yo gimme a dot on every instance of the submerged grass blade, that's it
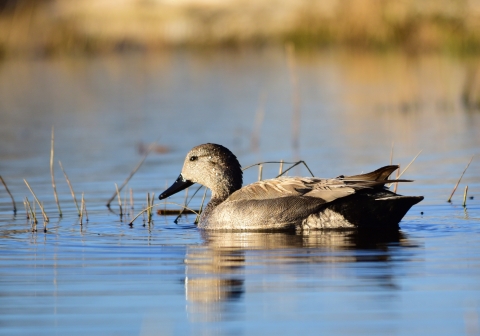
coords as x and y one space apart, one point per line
458 182
10 194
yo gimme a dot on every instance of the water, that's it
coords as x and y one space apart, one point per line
106 277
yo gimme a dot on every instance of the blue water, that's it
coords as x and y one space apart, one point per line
107 277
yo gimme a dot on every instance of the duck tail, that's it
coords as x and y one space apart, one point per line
381 174
376 178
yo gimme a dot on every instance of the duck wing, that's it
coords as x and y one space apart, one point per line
325 189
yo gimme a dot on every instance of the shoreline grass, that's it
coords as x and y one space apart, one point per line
60 27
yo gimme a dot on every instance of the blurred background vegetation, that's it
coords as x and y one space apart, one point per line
57 27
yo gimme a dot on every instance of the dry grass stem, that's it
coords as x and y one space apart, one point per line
260 172
292 66
154 205
119 200
186 204
399 175
458 182
32 212
71 188
152 198
465 196
197 218
295 163
396 178
52 152
186 197
125 204
32 215
81 211
26 209
280 170
85 210
131 199
10 194
133 172
149 210
403 171
44 222
45 217
166 212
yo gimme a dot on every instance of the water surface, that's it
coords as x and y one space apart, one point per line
106 277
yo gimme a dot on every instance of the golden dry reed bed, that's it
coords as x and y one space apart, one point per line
51 27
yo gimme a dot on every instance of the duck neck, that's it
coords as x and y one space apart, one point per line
218 197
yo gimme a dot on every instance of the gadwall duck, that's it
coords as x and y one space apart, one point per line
359 201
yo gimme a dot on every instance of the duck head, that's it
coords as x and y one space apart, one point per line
211 165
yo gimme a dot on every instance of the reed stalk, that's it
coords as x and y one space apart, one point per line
81 211
458 182
149 210
44 223
52 151
71 188
396 178
186 197
465 196
32 215
45 217
84 209
280 170
150 148
119 200
154 205
197 218
260 172
399 175
32 211
10 194
152 198
294 164
131 199
26 209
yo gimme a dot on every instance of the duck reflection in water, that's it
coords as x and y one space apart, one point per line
216 270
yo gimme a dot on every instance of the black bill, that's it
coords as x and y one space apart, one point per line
179 185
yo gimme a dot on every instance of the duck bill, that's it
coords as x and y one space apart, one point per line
179 185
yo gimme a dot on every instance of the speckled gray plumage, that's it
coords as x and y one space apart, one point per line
290 202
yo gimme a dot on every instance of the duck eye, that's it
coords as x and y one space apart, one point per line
193 158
